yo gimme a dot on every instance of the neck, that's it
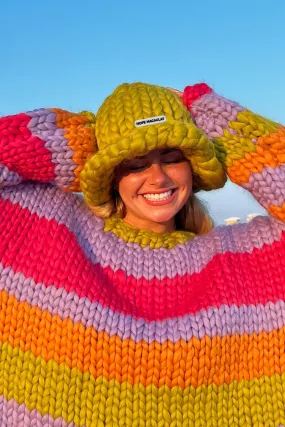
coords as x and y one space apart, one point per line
145 224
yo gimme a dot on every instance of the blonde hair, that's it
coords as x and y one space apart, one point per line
192 217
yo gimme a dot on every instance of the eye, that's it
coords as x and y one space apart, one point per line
137 166
173 157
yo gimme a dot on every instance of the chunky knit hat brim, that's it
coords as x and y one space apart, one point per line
99 171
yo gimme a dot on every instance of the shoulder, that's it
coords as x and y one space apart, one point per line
45 200
260 234
245 237
231 249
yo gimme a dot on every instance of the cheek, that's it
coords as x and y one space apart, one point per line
128 186
182 175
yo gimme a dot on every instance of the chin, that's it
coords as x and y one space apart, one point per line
160 217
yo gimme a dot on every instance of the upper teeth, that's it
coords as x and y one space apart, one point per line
160 196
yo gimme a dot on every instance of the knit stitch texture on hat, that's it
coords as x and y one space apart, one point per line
119 139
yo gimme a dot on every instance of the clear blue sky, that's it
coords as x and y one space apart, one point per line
72 54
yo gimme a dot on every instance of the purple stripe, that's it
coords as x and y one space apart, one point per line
14 415
268 186
9 178
213 112
43 125
220 321
51 203
47 201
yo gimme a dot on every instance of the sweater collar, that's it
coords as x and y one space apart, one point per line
145 238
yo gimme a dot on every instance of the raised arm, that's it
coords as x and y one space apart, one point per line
251 147
45 145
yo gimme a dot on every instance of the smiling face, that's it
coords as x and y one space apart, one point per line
154 188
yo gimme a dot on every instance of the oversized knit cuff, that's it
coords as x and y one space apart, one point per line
251 147
46 145
193 93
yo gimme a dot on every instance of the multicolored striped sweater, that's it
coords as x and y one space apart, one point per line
105 325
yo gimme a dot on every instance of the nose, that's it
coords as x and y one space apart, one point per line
157 175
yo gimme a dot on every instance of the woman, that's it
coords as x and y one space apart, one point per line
126 308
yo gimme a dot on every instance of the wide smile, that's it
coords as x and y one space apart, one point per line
159 199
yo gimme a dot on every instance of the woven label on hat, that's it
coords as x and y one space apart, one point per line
150 121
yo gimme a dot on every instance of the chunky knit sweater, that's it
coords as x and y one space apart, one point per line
105 325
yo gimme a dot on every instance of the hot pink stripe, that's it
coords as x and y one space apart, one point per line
48 202
212 322
49 253
22 152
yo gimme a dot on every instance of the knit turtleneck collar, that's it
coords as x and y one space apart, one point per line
145 237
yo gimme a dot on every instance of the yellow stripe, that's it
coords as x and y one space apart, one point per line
217 360
57 390
245 157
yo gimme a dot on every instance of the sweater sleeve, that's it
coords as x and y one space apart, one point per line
46 145
251 147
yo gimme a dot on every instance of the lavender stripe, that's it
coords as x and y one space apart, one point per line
51 203
213 112
14 415
9 178
268 186
220 321
43 125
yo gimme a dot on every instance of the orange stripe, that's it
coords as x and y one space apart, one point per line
277 211
270 152
81 138
197 362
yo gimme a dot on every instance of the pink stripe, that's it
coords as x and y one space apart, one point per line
14 415
49 253
23 153
213 322
50 203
